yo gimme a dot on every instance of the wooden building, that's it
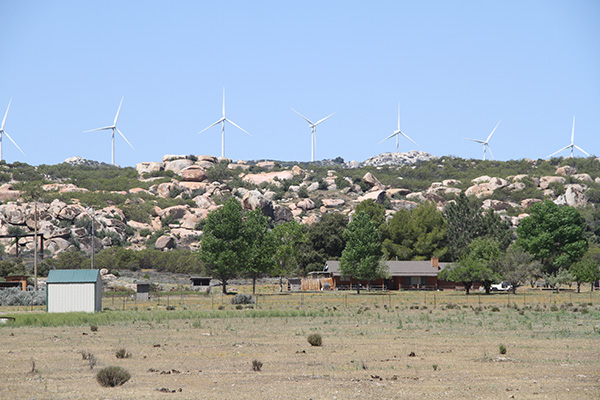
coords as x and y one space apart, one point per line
20 279
15 281
74 290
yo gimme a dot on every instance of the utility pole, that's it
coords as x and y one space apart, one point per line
93 213
35 247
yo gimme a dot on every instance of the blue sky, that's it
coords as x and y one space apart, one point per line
455 67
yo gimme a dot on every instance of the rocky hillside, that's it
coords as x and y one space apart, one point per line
162 204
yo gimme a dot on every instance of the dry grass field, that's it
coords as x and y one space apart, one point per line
375 346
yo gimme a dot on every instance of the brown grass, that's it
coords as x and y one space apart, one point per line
364 354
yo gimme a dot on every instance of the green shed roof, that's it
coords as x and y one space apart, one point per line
73 276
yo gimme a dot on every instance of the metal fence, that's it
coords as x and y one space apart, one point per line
115 301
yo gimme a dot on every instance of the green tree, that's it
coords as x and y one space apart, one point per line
585 270
588 268
362 256
176 260
324 241
398 244
553 235
479 265
466 221
485 253
117 257
72 259
591 215
560 277
375 211
288 238
260 246
223 248
416 235
461 272
517 267
11 267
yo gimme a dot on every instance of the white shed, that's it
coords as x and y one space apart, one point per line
74 290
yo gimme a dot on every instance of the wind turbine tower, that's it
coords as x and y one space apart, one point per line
485 143
572 145
313 133
222 121
3 132
113 128
397 133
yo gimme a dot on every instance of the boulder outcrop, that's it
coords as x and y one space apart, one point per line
255 200
193 173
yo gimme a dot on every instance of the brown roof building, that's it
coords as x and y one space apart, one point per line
401 275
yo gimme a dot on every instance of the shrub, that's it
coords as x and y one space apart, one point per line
15 230
112 376
122 353
341 182
241 298
495 309
94 328
169 220
502 349
17 297
256 365
90 357
315 339
219 172
303 192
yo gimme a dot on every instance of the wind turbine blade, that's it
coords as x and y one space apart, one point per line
15 143
321 120
210 126
572 132
475 140
99 129
306 119
6 115
558 151
494 130
389 137
237 126
118 111
398 116
582 150
406 136
123 136
490 150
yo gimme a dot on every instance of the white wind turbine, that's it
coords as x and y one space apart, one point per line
397 133
222 121
3 132
572 145
313 133
113 128
485 143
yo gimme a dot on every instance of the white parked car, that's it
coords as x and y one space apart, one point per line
501 287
